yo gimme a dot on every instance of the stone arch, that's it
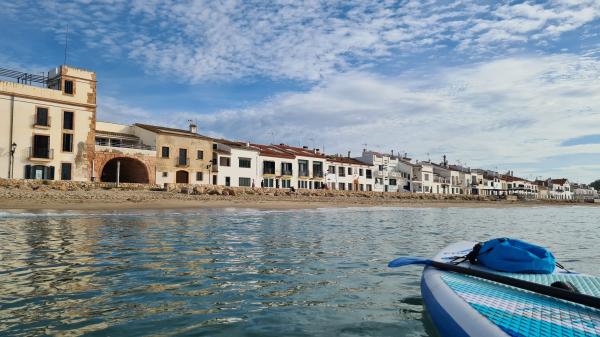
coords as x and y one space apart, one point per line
131 171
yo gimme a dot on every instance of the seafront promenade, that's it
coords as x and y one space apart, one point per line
61 195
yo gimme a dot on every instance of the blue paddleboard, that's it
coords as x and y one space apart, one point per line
461 305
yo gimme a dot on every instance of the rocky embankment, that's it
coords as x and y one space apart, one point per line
36 192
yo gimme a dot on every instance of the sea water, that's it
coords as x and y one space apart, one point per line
240 272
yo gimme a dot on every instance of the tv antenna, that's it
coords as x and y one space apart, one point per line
66 43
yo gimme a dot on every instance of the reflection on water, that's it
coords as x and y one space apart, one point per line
248 273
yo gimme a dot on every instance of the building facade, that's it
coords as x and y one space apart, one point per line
47 130
182 156
349 174
236 163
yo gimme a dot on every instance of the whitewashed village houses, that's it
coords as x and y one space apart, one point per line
391 173
345 173
236 163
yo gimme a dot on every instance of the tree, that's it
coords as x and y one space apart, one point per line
596 185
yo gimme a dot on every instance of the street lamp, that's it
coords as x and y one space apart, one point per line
13 148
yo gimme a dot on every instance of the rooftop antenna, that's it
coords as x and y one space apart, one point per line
66 43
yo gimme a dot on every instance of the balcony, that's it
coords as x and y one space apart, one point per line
40 153
124 145
182 162
318 174
286 172
440 180
40 124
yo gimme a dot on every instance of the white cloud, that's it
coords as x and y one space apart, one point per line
302 40
512 111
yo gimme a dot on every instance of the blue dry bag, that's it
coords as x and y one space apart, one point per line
513 256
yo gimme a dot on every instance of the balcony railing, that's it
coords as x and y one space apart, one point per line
318 174
183 161
286 172
268 171
40 153
125 145
37 123
303 174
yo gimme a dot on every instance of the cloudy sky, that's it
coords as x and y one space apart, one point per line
506 85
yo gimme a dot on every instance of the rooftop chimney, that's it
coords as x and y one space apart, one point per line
348 154
193 128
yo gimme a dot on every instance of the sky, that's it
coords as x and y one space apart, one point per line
501 85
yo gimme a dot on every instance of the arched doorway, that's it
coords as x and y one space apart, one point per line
131 171
182 177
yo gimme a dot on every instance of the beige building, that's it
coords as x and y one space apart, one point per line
182 156
47 124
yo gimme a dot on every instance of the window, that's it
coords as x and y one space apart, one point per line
331 169
302 184
41 147
39 172
245 163
361 173
303 168
200 155
349 171
393 182
286 183
199 176
369 187
182 160
318 169
68 120
41 117
65 171
361 187
286 169
268 182
426 176
369 174
268 167
67 143
342 186
165 174
227 181
165 152
69 87
342 171
245 182
224 161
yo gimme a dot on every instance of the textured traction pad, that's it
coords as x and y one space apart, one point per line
522 313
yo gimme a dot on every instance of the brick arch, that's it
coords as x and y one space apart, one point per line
130 165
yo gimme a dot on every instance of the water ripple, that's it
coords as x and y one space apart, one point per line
247 272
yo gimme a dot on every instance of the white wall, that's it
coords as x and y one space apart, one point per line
234 172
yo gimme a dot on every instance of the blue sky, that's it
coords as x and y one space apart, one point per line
509 85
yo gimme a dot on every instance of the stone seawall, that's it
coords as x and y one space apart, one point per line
70 192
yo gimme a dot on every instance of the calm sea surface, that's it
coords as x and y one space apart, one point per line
246 272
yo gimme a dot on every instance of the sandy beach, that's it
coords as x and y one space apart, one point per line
76 197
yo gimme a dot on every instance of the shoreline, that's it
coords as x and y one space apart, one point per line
165 204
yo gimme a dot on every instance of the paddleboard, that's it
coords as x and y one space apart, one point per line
462 305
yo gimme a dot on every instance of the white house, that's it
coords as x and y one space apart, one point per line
422 180
583 192
237 163
276 167
391 173
345 173
309 169
560 189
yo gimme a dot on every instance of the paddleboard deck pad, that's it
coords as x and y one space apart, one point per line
462 305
